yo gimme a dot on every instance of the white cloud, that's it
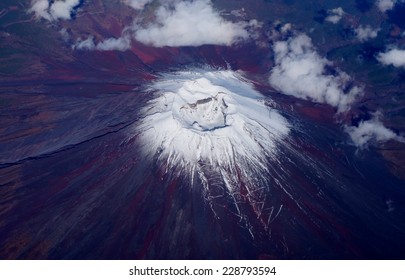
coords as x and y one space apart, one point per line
63 9
87 44
385 5
286 28
40 8
187 23
65 34
393 57
137 4
53 10
335 15
119 44
371 130
301 72
364 33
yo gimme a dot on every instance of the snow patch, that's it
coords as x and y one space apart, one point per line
212 118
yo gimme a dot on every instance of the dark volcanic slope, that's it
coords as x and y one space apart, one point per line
75 185
97 198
